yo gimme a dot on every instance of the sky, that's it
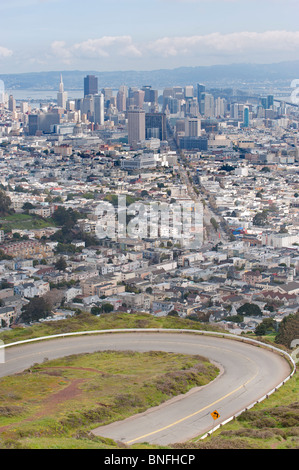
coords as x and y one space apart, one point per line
112 35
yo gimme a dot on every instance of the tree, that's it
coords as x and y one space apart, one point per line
252 310
95 310
61 264
173 313
214 223
107 308
288 330
260 219
27 206
5 203
235 318
65 217
267 326
36 309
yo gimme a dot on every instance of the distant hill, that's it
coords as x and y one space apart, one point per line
213 76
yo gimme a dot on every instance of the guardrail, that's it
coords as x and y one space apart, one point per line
173 330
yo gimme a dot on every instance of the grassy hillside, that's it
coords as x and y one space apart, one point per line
88 322
57 403
24 222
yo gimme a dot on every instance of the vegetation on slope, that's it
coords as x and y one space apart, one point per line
57 403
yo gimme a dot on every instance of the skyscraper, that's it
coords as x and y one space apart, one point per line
32 124
189 91
138 98
121 100
12 104
90 85
192 127
61 95
136 126
209 105
99 108
155 125
150 96
246 116
220 105
270 101
201 91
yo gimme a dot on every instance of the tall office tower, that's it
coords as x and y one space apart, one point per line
270 101
90 85
178 92
99 109
2 92
246 116
71 105
236 111
155 126
189 91
108 93
32 124
138 98
12 104
171 105
24 107
192 127
264 103
192 107
121 101
220 105
209 105
150 95
88 106
61 95
168 92
136 126
201 89
124 89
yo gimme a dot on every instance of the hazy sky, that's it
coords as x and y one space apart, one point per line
104 35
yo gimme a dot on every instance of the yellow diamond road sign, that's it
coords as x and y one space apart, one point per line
215 415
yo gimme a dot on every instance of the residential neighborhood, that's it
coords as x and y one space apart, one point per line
71 191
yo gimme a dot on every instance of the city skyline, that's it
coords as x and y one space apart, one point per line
42 35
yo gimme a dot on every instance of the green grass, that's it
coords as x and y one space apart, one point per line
24 222
57 403
88 322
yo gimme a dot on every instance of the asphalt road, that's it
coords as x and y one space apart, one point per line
247 374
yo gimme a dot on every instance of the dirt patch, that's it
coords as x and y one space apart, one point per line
53 401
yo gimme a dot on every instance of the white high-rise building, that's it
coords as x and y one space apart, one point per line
99 109
61 95
220 107
209 105
189 91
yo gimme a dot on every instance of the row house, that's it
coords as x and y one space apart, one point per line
27 249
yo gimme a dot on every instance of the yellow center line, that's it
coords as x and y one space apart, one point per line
193 414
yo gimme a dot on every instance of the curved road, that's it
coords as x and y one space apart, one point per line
247 374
